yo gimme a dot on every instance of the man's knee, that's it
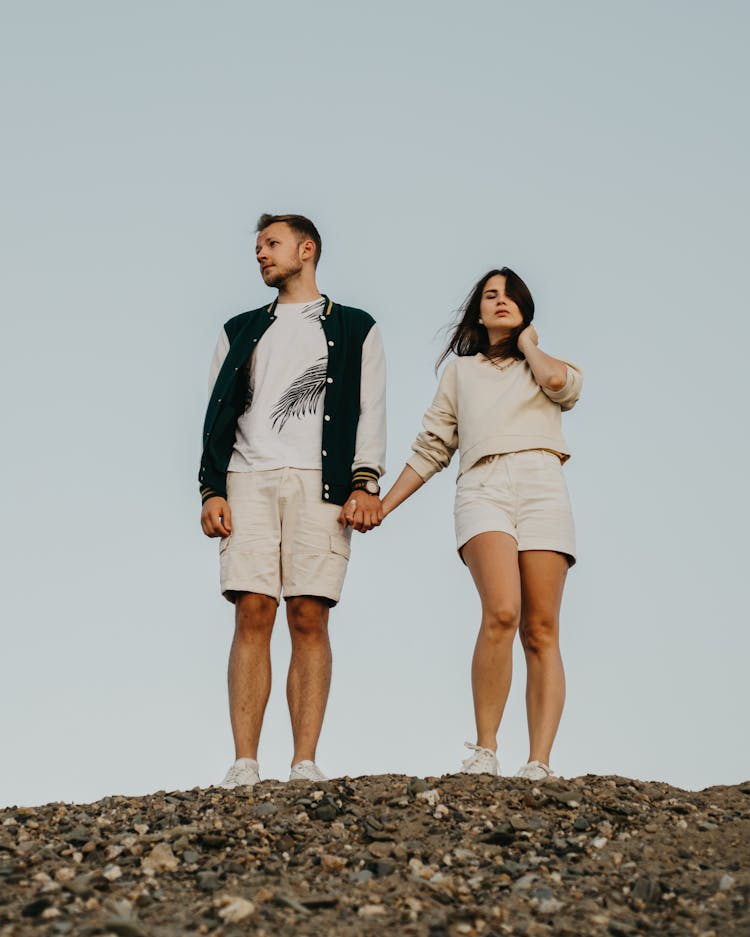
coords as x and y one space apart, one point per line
254 614
307 616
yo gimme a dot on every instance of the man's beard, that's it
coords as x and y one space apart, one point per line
279 276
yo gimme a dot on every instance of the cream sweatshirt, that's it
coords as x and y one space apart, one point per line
482 410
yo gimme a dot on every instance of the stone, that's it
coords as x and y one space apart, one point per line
431 796
371 910
208 881
236 910
160 859
125 927
381 850
36 907
325 812
332 863
266 809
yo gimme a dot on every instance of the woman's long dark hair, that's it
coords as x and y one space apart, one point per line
470 337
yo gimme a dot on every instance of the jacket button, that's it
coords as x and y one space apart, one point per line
327 418
329 380
326 496
327 487
331 344
324 452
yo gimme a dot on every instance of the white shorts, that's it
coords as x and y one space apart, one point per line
519 493
284 538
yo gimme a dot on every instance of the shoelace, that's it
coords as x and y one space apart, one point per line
308 770
235 773
539 764
479 752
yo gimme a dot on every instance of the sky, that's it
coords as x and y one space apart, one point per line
599 149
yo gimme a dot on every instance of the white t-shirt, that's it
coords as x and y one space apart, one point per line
283 423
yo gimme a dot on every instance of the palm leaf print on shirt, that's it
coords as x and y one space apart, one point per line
313 312
302 396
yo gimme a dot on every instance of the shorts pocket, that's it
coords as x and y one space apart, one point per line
340 546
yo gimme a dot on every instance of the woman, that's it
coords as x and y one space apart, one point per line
499 402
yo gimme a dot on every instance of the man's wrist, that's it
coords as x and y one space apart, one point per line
366 480
366 487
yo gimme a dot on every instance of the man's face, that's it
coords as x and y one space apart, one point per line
278 250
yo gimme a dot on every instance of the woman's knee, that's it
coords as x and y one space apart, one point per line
539 634
500 622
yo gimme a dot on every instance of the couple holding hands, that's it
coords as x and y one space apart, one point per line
293 450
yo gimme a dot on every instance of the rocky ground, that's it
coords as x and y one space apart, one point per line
439 857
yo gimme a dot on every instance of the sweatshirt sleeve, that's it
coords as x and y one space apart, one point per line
435 445
369 450
568 396
220 353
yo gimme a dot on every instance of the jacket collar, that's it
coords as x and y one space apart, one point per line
328 307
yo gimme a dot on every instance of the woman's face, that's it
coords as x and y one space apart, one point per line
497 312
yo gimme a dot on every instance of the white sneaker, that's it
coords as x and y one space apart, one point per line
483 761
306 771
535 771
243 773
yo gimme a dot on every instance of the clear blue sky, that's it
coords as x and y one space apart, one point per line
601 150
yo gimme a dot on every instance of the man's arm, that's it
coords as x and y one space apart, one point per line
363 510
216 517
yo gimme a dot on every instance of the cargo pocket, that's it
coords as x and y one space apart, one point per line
340 544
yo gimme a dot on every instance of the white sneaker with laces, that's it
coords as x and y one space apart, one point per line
535 771
306 771
483 761
243 773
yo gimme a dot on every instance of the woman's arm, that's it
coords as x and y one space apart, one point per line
549 373
404 487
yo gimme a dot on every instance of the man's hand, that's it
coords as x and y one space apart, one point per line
529 336
216 518
362 511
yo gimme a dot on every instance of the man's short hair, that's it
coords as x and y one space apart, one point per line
303 227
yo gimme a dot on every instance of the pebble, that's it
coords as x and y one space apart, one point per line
371 910
160 859
236 910
431 796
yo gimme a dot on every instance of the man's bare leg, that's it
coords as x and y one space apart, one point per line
249 675
309 678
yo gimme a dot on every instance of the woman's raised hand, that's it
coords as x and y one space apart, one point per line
528 336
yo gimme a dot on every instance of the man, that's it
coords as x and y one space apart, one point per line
293 447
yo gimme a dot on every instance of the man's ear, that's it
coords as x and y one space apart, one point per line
307 249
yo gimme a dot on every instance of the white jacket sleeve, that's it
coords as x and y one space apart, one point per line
370 443
220 353
568 396
435 445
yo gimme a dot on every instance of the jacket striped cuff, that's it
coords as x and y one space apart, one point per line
364 474
207 493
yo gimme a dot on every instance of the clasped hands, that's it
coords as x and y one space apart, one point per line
362 511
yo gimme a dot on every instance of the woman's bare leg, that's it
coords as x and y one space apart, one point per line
543 575
492 559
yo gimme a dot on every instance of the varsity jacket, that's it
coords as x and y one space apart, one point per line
353 439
